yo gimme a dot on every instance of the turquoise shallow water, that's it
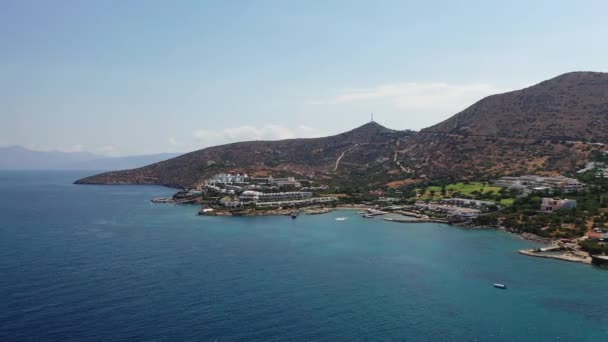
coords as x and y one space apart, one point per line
102 263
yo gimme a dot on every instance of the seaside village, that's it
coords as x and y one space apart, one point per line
513 203
239 193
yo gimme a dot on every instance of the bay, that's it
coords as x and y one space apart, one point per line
102 263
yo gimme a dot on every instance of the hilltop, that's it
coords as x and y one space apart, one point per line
573 106
545 128
358 155
540 129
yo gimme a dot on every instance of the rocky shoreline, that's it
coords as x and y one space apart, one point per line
534 237
318 211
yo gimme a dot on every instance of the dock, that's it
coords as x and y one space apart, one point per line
162 200
415 220
600 260
566 256
172 200
412 214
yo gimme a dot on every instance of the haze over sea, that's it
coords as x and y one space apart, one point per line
103 263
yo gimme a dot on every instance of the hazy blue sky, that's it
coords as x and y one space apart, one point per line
130 77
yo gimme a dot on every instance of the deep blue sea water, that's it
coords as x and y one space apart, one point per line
102 263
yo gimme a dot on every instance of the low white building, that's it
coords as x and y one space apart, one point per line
297 203
256 196
228 178
551 204
283 182
531 182
229 202
250 196
467 202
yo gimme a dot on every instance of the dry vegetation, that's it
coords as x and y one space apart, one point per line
544 129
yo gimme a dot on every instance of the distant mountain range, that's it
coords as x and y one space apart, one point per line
546 128
20 158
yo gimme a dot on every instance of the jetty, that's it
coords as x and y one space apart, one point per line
600 260
412 214
550 253
373 212
414 220
162 200
173 200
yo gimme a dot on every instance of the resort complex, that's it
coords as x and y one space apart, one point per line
532 183
546 208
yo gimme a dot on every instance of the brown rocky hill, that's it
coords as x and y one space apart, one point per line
550 127
486 158
573 106
359 155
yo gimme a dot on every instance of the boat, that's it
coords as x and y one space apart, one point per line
500 286
340 218
294 215
368 216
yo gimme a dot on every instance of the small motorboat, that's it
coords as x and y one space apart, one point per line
500 286
340 218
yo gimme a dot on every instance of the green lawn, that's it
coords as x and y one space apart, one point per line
466 189
507 201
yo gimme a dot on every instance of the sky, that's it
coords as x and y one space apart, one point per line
140 77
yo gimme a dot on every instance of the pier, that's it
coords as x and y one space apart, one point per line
600 260
566 256
162 200
414 220
171 200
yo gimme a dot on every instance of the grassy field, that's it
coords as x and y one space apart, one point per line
507 201
470 189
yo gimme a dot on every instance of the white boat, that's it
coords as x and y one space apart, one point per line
500 286
340 218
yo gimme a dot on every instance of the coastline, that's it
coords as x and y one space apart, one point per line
351 207
414 220
407 218
567 256
277 212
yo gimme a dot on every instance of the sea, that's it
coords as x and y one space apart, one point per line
102 263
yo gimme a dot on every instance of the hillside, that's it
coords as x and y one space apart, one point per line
540 129
473 158
573 106
359 155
